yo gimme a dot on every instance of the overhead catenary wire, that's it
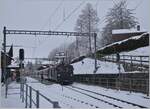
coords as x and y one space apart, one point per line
52 14
49 19
69 15
138 5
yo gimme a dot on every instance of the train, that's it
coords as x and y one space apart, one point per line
61 73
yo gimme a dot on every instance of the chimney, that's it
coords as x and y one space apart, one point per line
138 27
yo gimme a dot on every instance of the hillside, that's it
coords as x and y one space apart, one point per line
86 66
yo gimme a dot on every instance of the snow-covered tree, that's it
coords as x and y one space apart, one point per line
87 22
118 17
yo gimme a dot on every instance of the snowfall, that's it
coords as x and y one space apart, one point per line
70 99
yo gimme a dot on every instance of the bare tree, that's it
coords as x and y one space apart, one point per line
87 22
118 17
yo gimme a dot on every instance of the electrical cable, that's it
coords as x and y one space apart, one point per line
58 26
69 15
53 13
50 17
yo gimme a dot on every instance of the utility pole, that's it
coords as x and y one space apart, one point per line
95 35
121 18
77 46
4 63
90 49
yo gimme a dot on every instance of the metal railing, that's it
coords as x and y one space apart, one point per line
142 60
26 95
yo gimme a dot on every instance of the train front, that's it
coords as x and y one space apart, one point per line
65 76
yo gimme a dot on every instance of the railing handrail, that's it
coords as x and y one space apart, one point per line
36 102
139 59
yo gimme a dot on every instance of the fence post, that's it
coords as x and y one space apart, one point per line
37 99
56 105
22 92
147 86
107 83
20 89
99 81
131 64
26 100
30 95
141 62
117 83
130 84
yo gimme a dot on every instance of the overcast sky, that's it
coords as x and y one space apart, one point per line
37 15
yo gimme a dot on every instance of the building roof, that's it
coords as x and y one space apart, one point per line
13 66
7 55
127 31
125 45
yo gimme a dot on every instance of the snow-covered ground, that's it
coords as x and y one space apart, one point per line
86 66
143 51
13 99
137 98
70 99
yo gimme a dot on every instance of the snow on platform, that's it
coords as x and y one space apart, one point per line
13 99
86 66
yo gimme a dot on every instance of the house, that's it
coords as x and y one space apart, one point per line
9 58
121 34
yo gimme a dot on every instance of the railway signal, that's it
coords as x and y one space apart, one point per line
21 54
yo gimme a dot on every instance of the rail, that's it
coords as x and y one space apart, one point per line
26 95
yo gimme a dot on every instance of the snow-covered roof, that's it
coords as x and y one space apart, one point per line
124 31
79 58
13 66
7 55
119 42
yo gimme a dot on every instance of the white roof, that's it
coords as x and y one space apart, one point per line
121 31
119 42
13 66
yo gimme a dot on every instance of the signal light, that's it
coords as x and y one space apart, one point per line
21 54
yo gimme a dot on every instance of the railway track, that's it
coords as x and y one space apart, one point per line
79 101
114 105
104 98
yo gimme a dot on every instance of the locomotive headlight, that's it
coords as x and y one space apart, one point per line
58 74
